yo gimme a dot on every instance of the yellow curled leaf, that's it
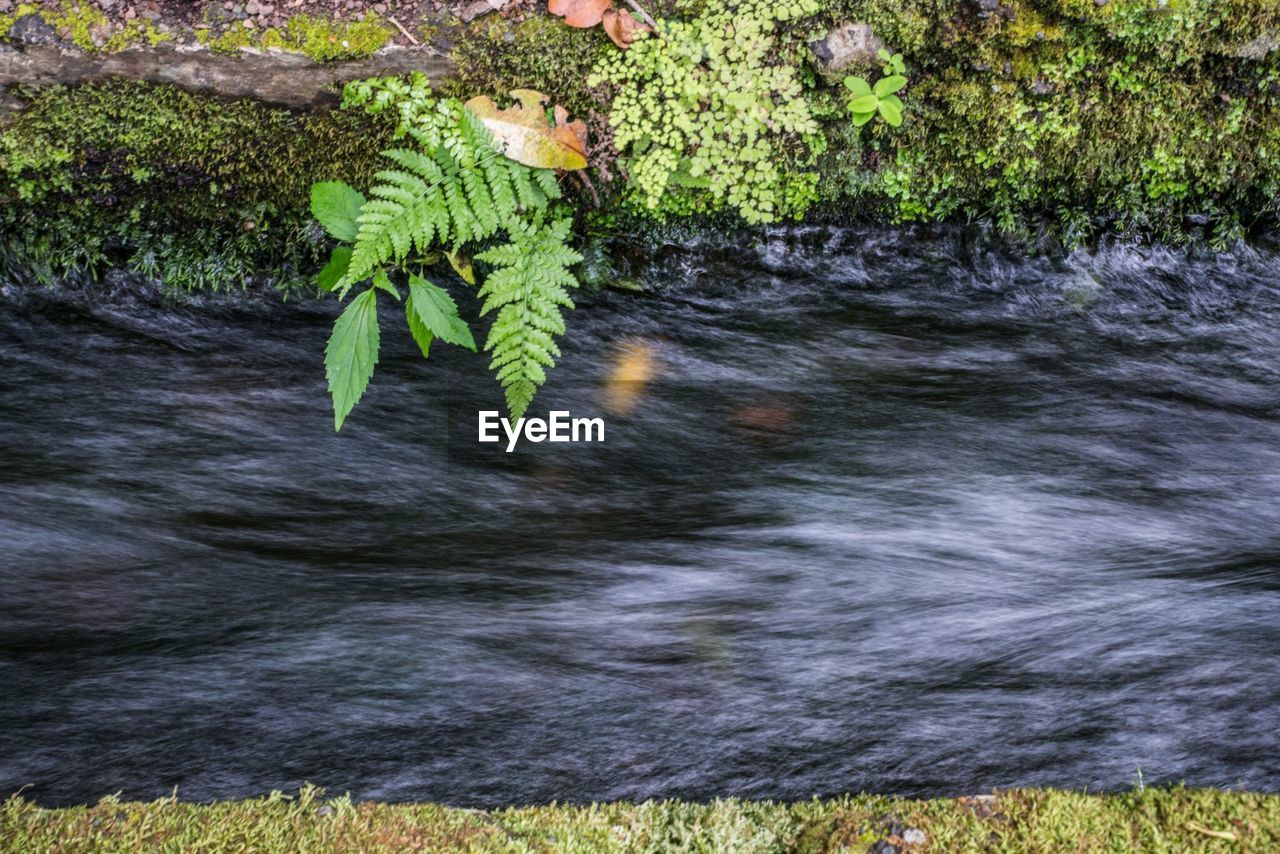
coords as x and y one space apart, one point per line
461 265
522 132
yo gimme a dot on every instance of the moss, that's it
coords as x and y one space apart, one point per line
155 179
80 25
1041 114
21 11
88 28
495 55
1159 820
322 39
232 39
1077 117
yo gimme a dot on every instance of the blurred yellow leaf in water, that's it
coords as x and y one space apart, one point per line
632 368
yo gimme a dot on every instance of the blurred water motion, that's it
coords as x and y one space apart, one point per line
876 512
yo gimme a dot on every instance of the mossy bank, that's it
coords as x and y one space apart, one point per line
1157 120
1173 820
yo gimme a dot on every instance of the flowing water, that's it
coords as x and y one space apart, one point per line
896 512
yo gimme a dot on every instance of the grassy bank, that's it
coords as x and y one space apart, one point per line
1018 820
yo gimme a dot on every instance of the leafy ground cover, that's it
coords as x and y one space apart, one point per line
1163 819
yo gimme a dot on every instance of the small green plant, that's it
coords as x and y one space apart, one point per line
710 114
456 191
866 101
893 63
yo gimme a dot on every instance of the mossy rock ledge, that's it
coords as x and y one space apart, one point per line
189 157
271 75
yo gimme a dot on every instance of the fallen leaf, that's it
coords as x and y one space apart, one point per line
631 371
523 133
461 265
579 13
572 134
622 28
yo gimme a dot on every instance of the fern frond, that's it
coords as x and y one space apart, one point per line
528 287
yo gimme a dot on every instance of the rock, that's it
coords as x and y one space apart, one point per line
480 7
9 104
100 33
914 836
289 79
6 6
106 4
1257 49
847 45
33 29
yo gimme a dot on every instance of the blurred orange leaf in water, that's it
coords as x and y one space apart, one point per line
632 368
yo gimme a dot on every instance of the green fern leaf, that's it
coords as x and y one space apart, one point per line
352 353
528 289
459 189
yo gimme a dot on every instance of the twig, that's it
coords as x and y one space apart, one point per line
591 188
401 28
645 16
1217 834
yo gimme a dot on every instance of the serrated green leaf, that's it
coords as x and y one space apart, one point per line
863 104
337 206
858 86
352 353
333 272
421 334
383 282
891 112
886 86
439 313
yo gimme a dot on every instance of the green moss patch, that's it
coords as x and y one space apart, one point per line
1042 116
1159 820
322 39
195 190
88 28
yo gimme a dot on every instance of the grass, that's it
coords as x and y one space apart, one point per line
1154 819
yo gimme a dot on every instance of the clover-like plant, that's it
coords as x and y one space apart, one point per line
712 115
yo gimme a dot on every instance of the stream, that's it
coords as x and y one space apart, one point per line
901 512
